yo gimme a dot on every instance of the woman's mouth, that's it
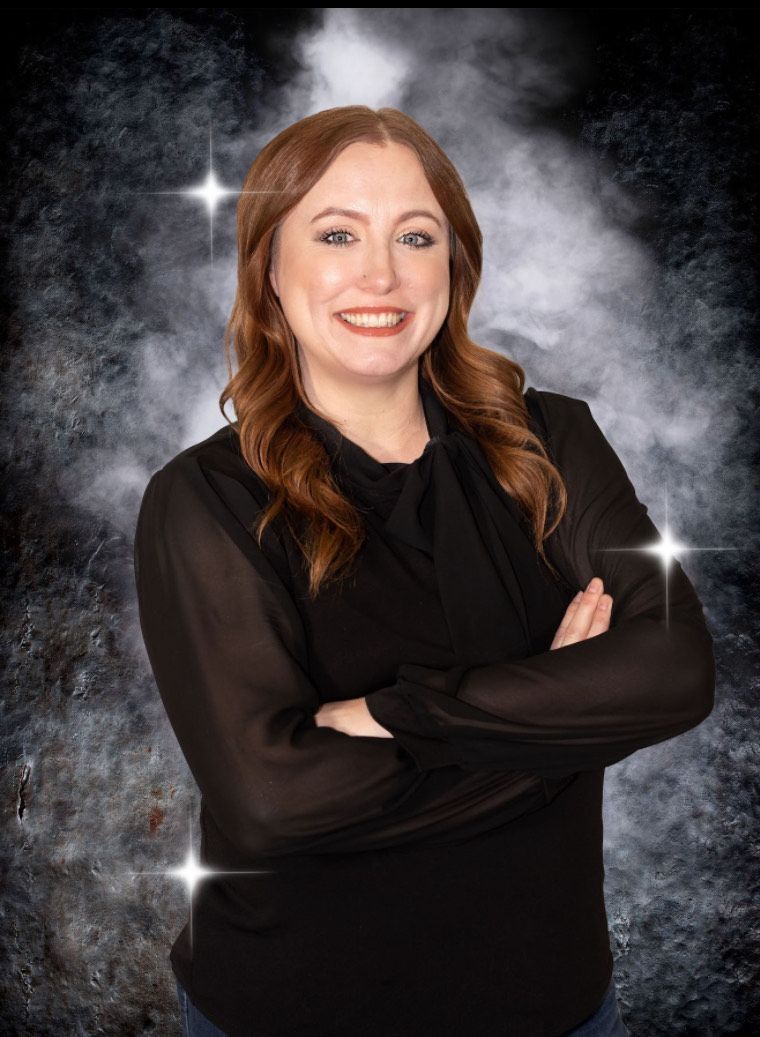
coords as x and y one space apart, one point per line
375 322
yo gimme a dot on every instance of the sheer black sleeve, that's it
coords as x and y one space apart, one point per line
651 676
227 648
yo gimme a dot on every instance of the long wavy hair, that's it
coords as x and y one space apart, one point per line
481 388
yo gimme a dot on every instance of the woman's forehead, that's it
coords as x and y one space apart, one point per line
373 182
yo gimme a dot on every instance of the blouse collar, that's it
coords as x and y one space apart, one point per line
449 505
380 479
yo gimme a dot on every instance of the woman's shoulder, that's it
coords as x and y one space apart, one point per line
575 441
218 459
555 407
221 448
211 483
558 419
204 504
578 445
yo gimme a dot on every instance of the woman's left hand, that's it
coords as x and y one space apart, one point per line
351 717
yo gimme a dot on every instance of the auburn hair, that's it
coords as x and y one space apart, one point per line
481 388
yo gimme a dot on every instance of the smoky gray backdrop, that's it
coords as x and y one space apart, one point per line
611 159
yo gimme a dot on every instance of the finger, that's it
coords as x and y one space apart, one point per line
564 625
601 618
580 621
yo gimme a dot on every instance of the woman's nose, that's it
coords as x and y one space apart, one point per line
378 267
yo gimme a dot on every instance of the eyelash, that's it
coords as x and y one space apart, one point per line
429 240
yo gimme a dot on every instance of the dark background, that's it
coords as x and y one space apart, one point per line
612 159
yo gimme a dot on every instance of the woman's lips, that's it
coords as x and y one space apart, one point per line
394 330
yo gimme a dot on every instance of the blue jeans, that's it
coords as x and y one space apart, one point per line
194 1023
605 1022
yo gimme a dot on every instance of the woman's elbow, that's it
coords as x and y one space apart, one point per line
705 689
275 828
693 674
255 827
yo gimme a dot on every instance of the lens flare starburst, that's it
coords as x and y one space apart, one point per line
191 873
210 192
668 549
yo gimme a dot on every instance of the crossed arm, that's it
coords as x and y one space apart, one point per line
649 677
227 648
587 615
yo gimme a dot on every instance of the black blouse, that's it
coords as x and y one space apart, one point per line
447 880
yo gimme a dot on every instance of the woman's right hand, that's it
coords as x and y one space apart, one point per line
587 615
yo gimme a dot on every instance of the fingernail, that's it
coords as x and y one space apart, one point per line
604 604
578 596
594 584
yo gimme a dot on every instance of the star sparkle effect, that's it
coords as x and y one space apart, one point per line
668 549
210 192
191 873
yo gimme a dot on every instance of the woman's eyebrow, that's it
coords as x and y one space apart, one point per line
355 215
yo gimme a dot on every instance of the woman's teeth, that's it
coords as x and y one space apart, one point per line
373 320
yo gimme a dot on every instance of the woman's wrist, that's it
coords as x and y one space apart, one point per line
352 717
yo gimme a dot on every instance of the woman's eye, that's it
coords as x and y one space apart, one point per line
427 240
332 233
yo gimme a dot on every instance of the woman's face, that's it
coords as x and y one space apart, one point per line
379 258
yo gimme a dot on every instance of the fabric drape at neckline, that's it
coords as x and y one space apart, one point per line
499 600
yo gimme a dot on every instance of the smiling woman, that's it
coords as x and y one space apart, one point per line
359 604
365 300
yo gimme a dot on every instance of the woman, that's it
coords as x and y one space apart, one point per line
359 603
